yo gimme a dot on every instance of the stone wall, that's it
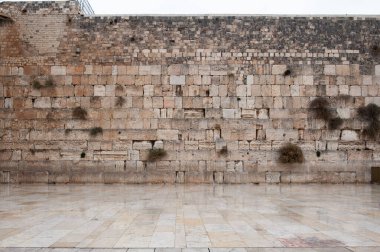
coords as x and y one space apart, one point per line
212 91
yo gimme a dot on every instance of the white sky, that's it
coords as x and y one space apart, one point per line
329 7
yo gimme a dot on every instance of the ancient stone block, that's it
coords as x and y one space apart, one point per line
377 70
279 69
177 80
43 102
349 135
273 177
58 70
329 70
99 90
167 134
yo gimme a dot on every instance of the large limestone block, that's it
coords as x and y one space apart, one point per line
199 177
42 102
177 80
167 134
180 177
349 135
99 90
278 69
377 70
58 70
273 177
343 70
142 145
329 70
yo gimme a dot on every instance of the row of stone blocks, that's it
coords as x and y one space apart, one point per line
180 177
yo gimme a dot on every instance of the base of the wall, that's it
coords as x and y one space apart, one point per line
179 177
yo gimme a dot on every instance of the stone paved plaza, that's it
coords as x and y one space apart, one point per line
248 217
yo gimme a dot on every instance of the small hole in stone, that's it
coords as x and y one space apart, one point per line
318 153
82 155
287 72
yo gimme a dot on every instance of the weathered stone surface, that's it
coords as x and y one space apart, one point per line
349 135
220 108
273 177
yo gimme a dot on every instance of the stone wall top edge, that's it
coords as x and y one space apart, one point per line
272 16
39 7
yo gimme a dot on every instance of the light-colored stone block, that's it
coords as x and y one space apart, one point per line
377 70
58 70
229 113
42 102
349 135
329 70
99 90
367 79
177 80
343 113
250 80
308 80
343 70
167 134
142 145
278 69
273 177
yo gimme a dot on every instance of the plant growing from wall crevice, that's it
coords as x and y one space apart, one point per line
335 123
120 101
36 84
96 131
321 109
370 114
79 113
156 154
375 50
223 151
290 153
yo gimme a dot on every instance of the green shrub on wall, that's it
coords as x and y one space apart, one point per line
290 153
370 114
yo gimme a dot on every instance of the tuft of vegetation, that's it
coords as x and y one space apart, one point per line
95 131
217 127
287 72
223 151
370 114
49 82
119 89
320 108
37 85
291 153
335 123
80 113
156 154
83 155
375 50
120 102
